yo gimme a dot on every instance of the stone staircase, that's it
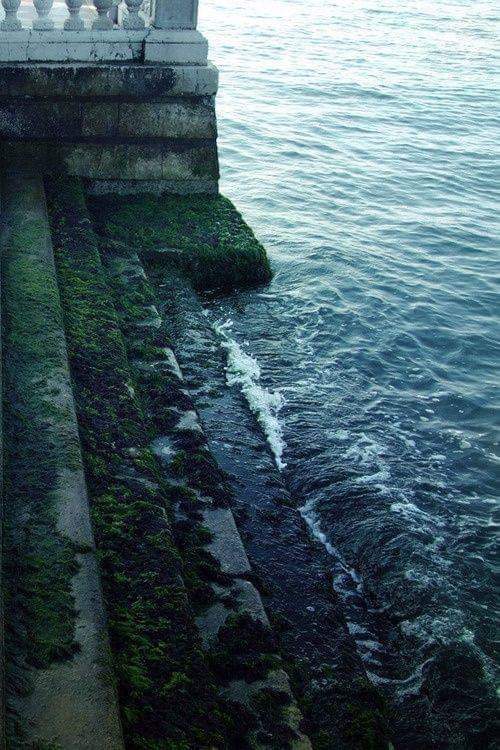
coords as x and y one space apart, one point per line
129 600
57 636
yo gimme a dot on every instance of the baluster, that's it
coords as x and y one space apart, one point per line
43 22
133 20
103 21
74 22
11 22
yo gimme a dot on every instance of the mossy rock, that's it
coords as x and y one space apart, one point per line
202 236
169 698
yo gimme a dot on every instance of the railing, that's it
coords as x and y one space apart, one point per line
75 30
167 14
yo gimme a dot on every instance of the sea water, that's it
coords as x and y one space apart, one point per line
360 140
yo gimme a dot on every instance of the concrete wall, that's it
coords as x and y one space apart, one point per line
131 127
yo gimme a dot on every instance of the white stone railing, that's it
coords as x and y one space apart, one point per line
75 30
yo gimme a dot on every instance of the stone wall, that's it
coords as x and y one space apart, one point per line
121 127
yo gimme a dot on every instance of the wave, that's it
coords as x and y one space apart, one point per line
243 370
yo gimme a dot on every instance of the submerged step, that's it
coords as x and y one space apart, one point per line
233 625
60 688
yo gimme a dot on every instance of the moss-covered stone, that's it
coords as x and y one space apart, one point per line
166 693
39 562
361 718
197 484
203 236
245 649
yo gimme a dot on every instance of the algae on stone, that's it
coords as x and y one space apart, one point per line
152 630
39 562
203 236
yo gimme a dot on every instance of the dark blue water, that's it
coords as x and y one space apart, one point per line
360 140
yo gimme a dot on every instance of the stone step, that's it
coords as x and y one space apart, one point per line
167 694
179 439
60 685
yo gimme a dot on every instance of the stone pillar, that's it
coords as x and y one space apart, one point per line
175 14
174 33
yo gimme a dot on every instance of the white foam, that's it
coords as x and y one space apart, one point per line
348 584
243 370
446 628
378 476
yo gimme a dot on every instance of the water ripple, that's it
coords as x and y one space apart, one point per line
360 139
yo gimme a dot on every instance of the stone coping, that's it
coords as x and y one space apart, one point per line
149 44
105 80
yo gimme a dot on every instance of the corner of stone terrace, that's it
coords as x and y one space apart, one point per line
123 98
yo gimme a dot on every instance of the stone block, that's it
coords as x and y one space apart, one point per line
46 80
90 80
178 47
19 152
58 45
108 161
186 118
194 185
176 14
99 119
226 545
190 161
29 120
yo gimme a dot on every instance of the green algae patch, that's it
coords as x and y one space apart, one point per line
167 697
203 236
362 718
39 562
246 649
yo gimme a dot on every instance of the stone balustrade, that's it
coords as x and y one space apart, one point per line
75 30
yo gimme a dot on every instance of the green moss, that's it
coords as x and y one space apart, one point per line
245 649
203 236
270 702
360 719
179 463
38 561
163 398
167 694
364 729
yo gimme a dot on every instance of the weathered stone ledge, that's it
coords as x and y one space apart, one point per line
95 81
59 675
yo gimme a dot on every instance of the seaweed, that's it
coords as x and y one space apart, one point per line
202 236
154 640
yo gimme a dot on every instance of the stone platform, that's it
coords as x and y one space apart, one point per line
121 127
126 102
